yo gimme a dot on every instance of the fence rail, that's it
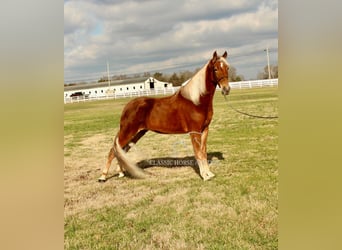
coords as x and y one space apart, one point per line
254 84
168 91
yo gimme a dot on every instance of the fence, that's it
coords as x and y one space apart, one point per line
254 84
168 91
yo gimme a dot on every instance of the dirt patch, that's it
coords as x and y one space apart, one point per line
82 166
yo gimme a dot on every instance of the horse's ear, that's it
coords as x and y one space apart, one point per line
225 54
214 56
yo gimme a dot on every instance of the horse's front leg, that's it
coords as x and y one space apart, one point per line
199 143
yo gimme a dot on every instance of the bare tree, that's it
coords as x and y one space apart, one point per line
147 74
264 74
174 79
233 77
159 76
274 71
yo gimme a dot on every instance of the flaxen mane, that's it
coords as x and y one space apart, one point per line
195 87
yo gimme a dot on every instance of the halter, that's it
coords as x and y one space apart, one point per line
217 81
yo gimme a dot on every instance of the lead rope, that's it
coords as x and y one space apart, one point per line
251 115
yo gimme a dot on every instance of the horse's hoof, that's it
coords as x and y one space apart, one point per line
102 180
208 176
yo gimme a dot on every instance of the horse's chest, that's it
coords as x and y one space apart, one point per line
208 118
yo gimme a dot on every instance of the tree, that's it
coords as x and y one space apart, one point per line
185 75
174 79
232 76
239 78
158 76
264 74
274 71
147 74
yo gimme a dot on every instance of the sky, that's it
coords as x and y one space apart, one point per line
166 36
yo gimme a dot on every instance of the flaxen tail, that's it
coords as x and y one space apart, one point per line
126 163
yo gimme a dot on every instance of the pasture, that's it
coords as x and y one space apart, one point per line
174 208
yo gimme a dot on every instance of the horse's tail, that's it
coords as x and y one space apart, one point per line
126 163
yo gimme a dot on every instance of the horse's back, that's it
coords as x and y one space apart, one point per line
138 110
145 104
147 112
138 106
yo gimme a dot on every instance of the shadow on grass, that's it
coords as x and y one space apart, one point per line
176 162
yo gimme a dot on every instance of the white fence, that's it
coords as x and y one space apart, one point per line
254 84
169 91
166 91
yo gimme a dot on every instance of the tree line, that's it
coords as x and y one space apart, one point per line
176 78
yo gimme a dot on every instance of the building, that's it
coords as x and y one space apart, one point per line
118 87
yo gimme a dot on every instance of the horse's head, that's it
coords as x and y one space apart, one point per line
220 68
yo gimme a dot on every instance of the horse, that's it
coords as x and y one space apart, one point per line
187 111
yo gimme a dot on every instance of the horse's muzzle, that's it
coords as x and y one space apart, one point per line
225 90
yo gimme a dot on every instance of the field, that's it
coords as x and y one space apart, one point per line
174 208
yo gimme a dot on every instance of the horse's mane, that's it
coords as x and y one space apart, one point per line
195 87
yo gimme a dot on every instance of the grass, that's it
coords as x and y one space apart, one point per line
174 209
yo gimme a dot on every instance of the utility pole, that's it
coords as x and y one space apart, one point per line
268 63
108 74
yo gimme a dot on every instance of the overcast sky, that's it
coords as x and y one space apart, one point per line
166 36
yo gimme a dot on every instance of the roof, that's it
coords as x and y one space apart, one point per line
104 84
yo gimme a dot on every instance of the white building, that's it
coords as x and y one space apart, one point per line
119 87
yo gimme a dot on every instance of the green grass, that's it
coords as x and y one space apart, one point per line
174 209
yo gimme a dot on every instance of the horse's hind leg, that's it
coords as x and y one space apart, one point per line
110 158
111 154
105 170
127 147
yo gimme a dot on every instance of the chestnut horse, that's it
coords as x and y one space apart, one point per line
189 110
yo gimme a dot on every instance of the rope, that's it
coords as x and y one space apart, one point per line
251 115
